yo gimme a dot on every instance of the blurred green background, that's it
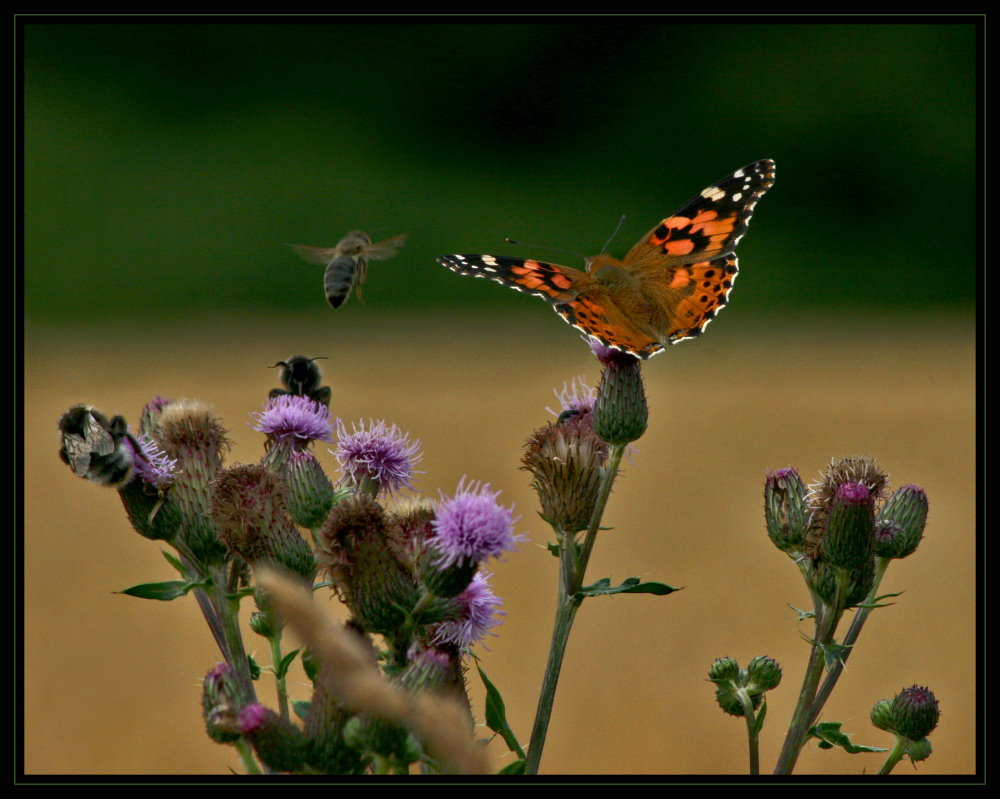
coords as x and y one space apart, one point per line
167 164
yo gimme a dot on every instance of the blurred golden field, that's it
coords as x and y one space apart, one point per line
112 683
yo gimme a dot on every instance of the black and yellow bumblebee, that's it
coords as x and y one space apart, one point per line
96 448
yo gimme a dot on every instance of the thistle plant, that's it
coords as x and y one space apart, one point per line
409 572
389 692
842 532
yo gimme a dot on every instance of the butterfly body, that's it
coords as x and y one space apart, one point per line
347 263
668 287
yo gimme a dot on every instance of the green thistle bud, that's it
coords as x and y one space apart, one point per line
566 460
248 509
279 744
367 564
918 750
915 712
620 412
849 538
856 469
881 715
189 432
786 510
901 522
725 669
221 704
153 515
326 749
308 490
764 674
824 580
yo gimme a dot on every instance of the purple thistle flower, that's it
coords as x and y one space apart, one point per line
480 616
152 465
290 416
575 396
377 452
471 526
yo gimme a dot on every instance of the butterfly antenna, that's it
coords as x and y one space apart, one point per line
542 247
617 228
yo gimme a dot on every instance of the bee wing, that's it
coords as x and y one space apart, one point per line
314 255
77 453
385 248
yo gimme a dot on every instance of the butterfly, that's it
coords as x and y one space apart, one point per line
347 263
666 289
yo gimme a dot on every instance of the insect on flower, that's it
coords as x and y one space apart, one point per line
96 448
347 263
301 376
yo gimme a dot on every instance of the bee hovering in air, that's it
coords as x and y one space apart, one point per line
347 263
97 449
301 376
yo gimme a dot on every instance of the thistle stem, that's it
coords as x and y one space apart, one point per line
881 564
827 619
894 756
753 734
573 562
279 679
246 755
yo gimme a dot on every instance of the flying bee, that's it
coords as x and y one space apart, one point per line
300 376
347 263
95 448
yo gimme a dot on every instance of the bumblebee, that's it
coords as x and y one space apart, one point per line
347 263
97 449
301 376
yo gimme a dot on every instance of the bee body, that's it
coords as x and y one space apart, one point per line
347 263
301 376
95 448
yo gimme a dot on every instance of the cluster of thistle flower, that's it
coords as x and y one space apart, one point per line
409 571
842 532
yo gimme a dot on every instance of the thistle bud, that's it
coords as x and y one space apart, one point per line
308 490
221 704
786 510
279 744
367 564
764 674
152 514
326 749
190 433
915 712
901 522
881 715
918 750
565 459
248 508
620 412
724 669
849 538
824 581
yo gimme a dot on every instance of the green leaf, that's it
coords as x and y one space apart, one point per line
285 663
829 735
834 653
311 665
517 767
301 708
631 586
803 614
175 562
171 589
554 548
254 667
759 721
496 715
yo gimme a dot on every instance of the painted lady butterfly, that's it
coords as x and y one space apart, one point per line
667 288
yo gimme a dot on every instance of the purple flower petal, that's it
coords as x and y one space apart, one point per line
293 416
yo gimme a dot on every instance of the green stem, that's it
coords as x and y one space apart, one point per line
246 755
827 619
860 617
894 756
279 680
573 562
753 737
